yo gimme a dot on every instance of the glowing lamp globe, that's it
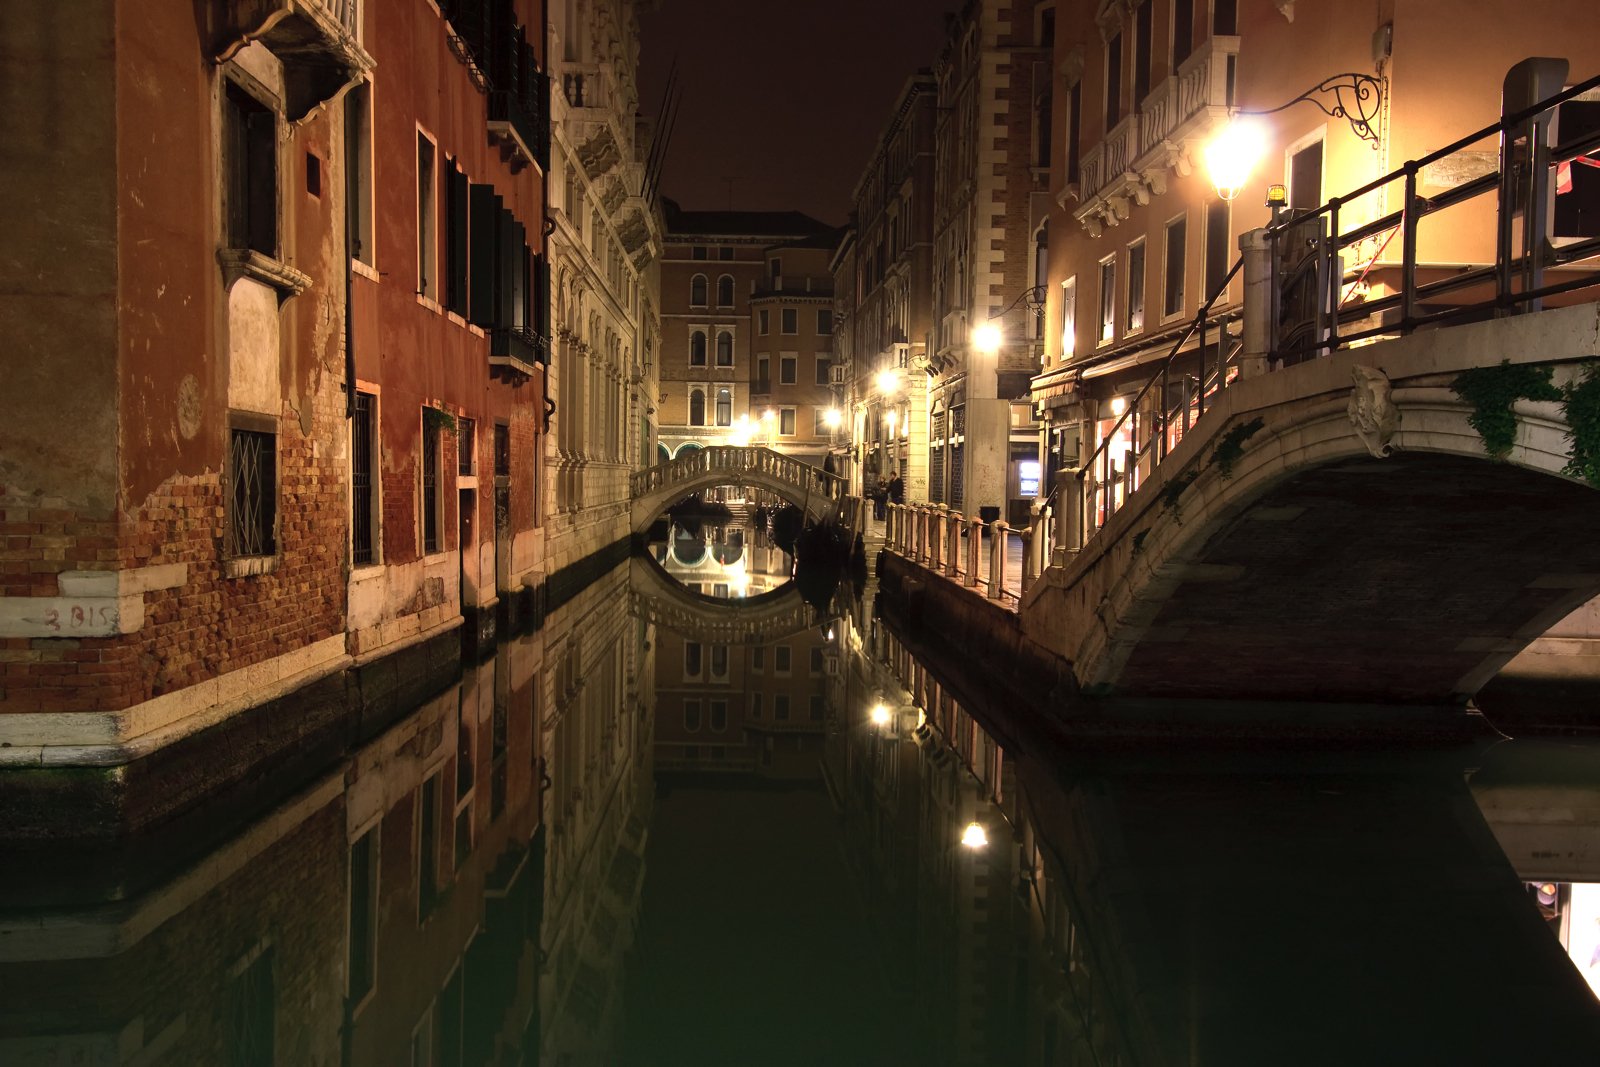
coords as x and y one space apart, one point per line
1233 154
880 715
887 381
986 338
833 418
973 836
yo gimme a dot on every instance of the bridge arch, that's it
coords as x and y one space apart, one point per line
757 620
815 491
1315 570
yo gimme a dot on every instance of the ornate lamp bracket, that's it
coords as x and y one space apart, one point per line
1354 97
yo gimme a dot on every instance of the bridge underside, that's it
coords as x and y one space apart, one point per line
1410 579
647 509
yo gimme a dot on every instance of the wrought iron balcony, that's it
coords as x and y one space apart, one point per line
318 42
519 98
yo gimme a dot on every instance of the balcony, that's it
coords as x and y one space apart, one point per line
1131 164
518 349
318 42
519 121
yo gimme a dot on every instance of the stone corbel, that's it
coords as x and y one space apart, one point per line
1118 209
1092 224
1155 180
1286 9
248 263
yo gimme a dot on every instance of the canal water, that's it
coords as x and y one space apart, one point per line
698 818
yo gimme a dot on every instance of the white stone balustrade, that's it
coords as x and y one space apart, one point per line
998 535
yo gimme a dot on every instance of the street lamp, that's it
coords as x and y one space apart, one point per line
1234 152
986 338
887 381
879 715
833 418
974 836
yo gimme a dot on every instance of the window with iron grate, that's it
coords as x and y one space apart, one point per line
363 503
253 492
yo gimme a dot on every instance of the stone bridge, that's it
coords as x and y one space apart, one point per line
814 490
659 598
1359 547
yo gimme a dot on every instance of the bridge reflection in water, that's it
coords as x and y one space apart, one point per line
620 843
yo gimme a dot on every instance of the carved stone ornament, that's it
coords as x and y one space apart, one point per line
1372 411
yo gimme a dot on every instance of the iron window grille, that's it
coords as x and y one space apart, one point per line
430 488
466 445
252 469
361 480
502 450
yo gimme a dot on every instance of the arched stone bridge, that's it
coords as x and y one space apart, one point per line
758 620
1363 547
805 486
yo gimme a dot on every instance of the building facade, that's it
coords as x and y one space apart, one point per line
888 266
715 265
605 246
986 220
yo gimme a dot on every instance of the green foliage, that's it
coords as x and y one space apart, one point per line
1174 489
1231 446
434 419
1492 390
1581 406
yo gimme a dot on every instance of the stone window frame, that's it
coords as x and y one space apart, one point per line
375 447
725 285
791 414
237 261
699 291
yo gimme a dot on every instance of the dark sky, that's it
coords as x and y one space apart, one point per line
785 97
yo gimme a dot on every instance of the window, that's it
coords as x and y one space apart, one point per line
724 407
363 480
780 659
763 375
816 661
1177 236
764 317
788 369
502 450
1305 177
786 422
824 321
1217 262
755 706
758 658
1069 317
358 171
819 422
697 252
697 291
1224 18
1108 300
775 266
466 446
691 715
1136 286
455 238
725 252
693 659
1182 32
427 244
363 917
1047 27
250 1012
725 291
1113 81
251 129
1142 36
1041 129
724 348
719 716
780 707
815 709
430 480
697 348
791 320
253 486
823 365
719 656
697 407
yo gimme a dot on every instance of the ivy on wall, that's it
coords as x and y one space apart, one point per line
1581 406
1493 390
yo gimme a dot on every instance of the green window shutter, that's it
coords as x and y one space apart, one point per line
483 258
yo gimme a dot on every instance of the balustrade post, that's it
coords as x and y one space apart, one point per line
936 542
952 547
924 523
893 524
1032 541
974 549
997 558
1259 297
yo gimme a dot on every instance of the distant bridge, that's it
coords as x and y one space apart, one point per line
814 490
758 620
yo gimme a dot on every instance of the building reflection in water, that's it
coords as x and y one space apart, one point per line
461 890
840 827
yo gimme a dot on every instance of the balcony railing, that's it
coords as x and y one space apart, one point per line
1202 90
1109 160
519 348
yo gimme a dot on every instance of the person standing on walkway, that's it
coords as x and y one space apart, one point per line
897 489
880 498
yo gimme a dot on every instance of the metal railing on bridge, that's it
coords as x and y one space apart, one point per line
739 464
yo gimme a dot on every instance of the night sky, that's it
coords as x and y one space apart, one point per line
786 97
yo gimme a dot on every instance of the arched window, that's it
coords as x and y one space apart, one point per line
724 349
725 291
697 348
697 291
724 407
697 408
